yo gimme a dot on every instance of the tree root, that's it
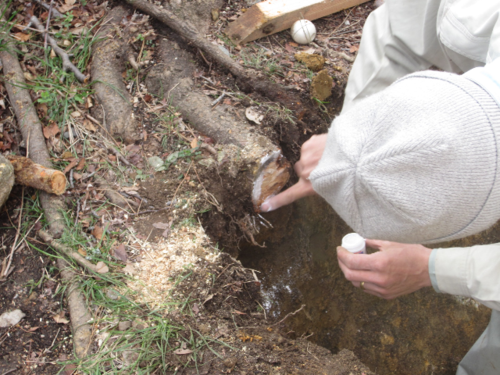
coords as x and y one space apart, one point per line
114 107
246 82
65 250
67 65
53 206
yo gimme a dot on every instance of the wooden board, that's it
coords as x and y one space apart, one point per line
271 16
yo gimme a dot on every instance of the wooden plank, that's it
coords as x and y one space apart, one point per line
271 16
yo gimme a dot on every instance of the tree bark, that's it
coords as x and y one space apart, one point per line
114 103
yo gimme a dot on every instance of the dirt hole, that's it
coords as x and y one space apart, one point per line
418 334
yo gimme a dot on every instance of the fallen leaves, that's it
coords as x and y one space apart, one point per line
98 232
59 318
51 130
101 267
121 253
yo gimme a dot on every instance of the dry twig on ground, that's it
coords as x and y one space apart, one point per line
67 65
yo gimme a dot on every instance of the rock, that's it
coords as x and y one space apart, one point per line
6 179
321 86
253 114
11 318
112 294
156 163
313 61
123 326
230 362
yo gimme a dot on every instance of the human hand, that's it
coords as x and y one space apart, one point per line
310 154
397 269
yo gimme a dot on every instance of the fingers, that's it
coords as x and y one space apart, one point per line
378 244
354 261
301 189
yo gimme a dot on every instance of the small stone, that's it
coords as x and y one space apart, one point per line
321 86
230 362
112 294
123 326
11 318
155 162
313 61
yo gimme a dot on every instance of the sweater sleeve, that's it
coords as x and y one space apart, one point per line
469 271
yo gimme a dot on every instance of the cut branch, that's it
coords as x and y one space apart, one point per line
67 65
28 173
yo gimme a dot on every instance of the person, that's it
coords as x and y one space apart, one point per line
414 157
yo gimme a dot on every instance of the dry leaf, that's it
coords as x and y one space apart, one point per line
98 232
33 329
82 252
101 267
52 53
75 114
28 76
239 312
59 318
353 49
182 351
22 37
80 165
71 165
51 131
161 225
89 126
129 269
121 253
194 143
67 155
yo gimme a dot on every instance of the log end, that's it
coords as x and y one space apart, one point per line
271 177
58 183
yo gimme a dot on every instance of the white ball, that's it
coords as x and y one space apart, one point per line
303 31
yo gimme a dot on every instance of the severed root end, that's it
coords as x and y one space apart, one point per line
273 174
28 173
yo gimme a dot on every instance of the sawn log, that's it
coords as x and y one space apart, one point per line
28 173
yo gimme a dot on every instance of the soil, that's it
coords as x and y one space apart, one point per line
38 342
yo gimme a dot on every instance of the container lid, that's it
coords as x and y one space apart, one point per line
353 242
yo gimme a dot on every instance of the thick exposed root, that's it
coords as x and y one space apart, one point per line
114 106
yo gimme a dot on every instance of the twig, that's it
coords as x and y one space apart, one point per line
47 24
219 99
65 250
67 65
55 12
5 272
289 315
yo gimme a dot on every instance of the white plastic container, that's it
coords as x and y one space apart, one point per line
354 243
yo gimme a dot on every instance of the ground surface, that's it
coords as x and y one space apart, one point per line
173 300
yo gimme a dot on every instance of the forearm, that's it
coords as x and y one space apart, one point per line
470 272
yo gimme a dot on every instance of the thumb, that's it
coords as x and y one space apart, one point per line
301 189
